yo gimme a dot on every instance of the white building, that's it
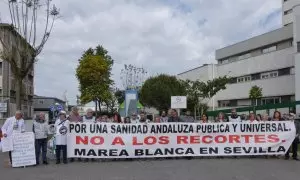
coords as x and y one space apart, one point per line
270 61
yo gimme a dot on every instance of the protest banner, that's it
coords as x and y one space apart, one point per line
110 140
24 150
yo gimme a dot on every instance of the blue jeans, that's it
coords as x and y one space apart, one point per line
41 144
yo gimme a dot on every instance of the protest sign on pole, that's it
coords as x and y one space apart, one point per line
24 150
110 140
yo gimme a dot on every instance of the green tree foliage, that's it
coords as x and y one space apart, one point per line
157 91
93 74
255 93
200 93
120 95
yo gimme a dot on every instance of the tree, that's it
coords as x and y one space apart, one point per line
199 93
120 96
255 93
19 38
94 76
157 91
110 101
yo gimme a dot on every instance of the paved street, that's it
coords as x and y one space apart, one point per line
206 169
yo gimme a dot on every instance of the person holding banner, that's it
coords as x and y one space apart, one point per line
134 118
143 118
204 119
89 116
61 129
75 118
234 117
12 125
252 118
221 118
174 116
277 116
296 141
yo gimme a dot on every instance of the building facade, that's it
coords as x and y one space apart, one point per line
43 104
269 61
8 82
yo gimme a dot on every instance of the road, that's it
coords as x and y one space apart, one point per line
180 169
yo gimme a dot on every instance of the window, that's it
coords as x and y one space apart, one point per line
272 100
224 61
41 101
288 12
269 49
285 71
244 56
298 46
0 68
224 103
269 75
255 76
244 79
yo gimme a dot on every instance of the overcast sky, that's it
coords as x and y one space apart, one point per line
163 36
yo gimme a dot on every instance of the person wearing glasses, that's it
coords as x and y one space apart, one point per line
12 125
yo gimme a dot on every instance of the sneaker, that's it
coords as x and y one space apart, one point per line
57 162
45 162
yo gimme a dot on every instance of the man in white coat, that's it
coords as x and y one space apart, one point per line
61 130
12 125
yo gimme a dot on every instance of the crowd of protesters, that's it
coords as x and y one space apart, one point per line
40 127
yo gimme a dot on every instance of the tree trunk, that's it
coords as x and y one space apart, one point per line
99 105
195 113
96 108
19 93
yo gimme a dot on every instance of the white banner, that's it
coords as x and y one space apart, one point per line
109 140
24 149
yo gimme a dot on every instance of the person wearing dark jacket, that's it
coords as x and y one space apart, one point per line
40 130
174 117
294 146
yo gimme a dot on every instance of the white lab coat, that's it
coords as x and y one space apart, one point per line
238 119
12 125
89 120
61 139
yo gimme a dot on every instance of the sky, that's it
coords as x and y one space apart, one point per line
162 36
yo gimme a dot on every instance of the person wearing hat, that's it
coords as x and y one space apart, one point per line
61 128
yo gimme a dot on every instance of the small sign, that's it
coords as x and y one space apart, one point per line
178 102
52 108
60 107
3 107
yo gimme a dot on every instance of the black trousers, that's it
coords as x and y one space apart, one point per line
41 144
58 149
294 149
10 159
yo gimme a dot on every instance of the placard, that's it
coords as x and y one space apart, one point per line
7 143
24 149
178 102
112 140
